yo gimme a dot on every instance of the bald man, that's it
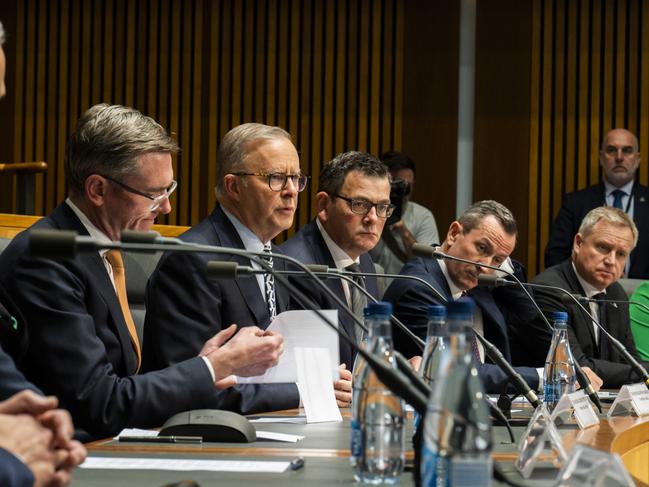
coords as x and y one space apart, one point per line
619 158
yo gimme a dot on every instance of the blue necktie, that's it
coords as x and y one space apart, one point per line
618 194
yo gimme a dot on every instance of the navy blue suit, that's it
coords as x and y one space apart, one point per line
13 472
309 247
79 346
184 309
573 210
412 299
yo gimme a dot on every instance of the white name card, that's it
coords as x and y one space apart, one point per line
579 404
632 398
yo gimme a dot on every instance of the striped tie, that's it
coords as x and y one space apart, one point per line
269 284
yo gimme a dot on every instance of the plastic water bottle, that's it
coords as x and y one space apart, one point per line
559 376
436 345
378 430
457 429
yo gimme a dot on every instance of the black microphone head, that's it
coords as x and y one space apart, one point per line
136 236
52 244
570 298
217 269
488 280
422 250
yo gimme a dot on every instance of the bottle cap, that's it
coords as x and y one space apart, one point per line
436 311
463 306
559 316
382 308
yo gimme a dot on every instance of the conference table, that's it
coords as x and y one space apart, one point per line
325 449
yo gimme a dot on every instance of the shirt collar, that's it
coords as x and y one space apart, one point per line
588 288
88 225
250 241
627 188
456 292
341 259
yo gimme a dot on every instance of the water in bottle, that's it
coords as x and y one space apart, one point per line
559 376
377 443
457 429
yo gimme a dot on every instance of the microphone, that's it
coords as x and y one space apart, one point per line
430 252
394 379
584 299
62 244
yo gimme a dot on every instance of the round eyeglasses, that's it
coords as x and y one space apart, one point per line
156 200
277 180
363 207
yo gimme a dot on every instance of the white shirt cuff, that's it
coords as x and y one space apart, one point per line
210 368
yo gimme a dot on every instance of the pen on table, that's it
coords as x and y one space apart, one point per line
162 439
296 463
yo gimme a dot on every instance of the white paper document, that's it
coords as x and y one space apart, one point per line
285 437
300 328
130 432
183 465
315 385
280 419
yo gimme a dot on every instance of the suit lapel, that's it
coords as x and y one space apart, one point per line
573 283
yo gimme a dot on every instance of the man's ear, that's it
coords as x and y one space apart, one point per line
577 242
94 188
454 231
232 187
322 201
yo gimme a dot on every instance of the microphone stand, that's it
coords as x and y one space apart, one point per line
427 251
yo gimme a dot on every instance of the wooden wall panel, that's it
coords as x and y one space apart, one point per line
326 70
590 73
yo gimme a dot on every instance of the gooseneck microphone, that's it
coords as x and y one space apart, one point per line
584 299
430 252
67 245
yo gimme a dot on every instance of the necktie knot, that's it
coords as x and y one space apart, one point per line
114 258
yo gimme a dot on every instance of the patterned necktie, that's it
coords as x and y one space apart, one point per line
114 257
269 284
358 299
618 194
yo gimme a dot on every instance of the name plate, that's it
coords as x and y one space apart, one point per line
632 399
579 404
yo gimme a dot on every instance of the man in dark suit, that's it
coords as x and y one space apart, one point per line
484 233
619 158
258 181
353 203
605 239
83 346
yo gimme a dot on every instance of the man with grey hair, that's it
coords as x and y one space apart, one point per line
605 239
484 233
259 178
619 158
83 346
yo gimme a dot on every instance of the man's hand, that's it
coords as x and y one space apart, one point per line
28 440
406 235
595 380
28 402
415 362
248 353
343 387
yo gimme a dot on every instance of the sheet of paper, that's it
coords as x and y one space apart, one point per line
115 463
136 432
280 419
271 435
315 385
300 328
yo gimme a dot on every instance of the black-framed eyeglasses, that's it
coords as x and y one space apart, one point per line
156 200
277 180
363 207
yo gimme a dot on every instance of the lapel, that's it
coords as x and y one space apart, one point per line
490 312
578 315
226 235
367 265
93 265
439 280
322 255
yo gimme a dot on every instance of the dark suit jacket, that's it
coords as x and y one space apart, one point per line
412 299
603 359
309 247
79 347
184 309
13 472
574 209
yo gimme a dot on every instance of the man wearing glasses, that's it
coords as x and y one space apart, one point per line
258 181
83 346
353 204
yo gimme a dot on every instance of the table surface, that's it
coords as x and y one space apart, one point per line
325 449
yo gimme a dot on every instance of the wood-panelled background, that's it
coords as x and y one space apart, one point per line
328 71
590 73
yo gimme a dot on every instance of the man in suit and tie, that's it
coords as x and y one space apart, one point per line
605 239
619 157
485 233
258 181
83 346
353 203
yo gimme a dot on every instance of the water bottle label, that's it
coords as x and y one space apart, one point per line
471 472
552 392
357 439
434 469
